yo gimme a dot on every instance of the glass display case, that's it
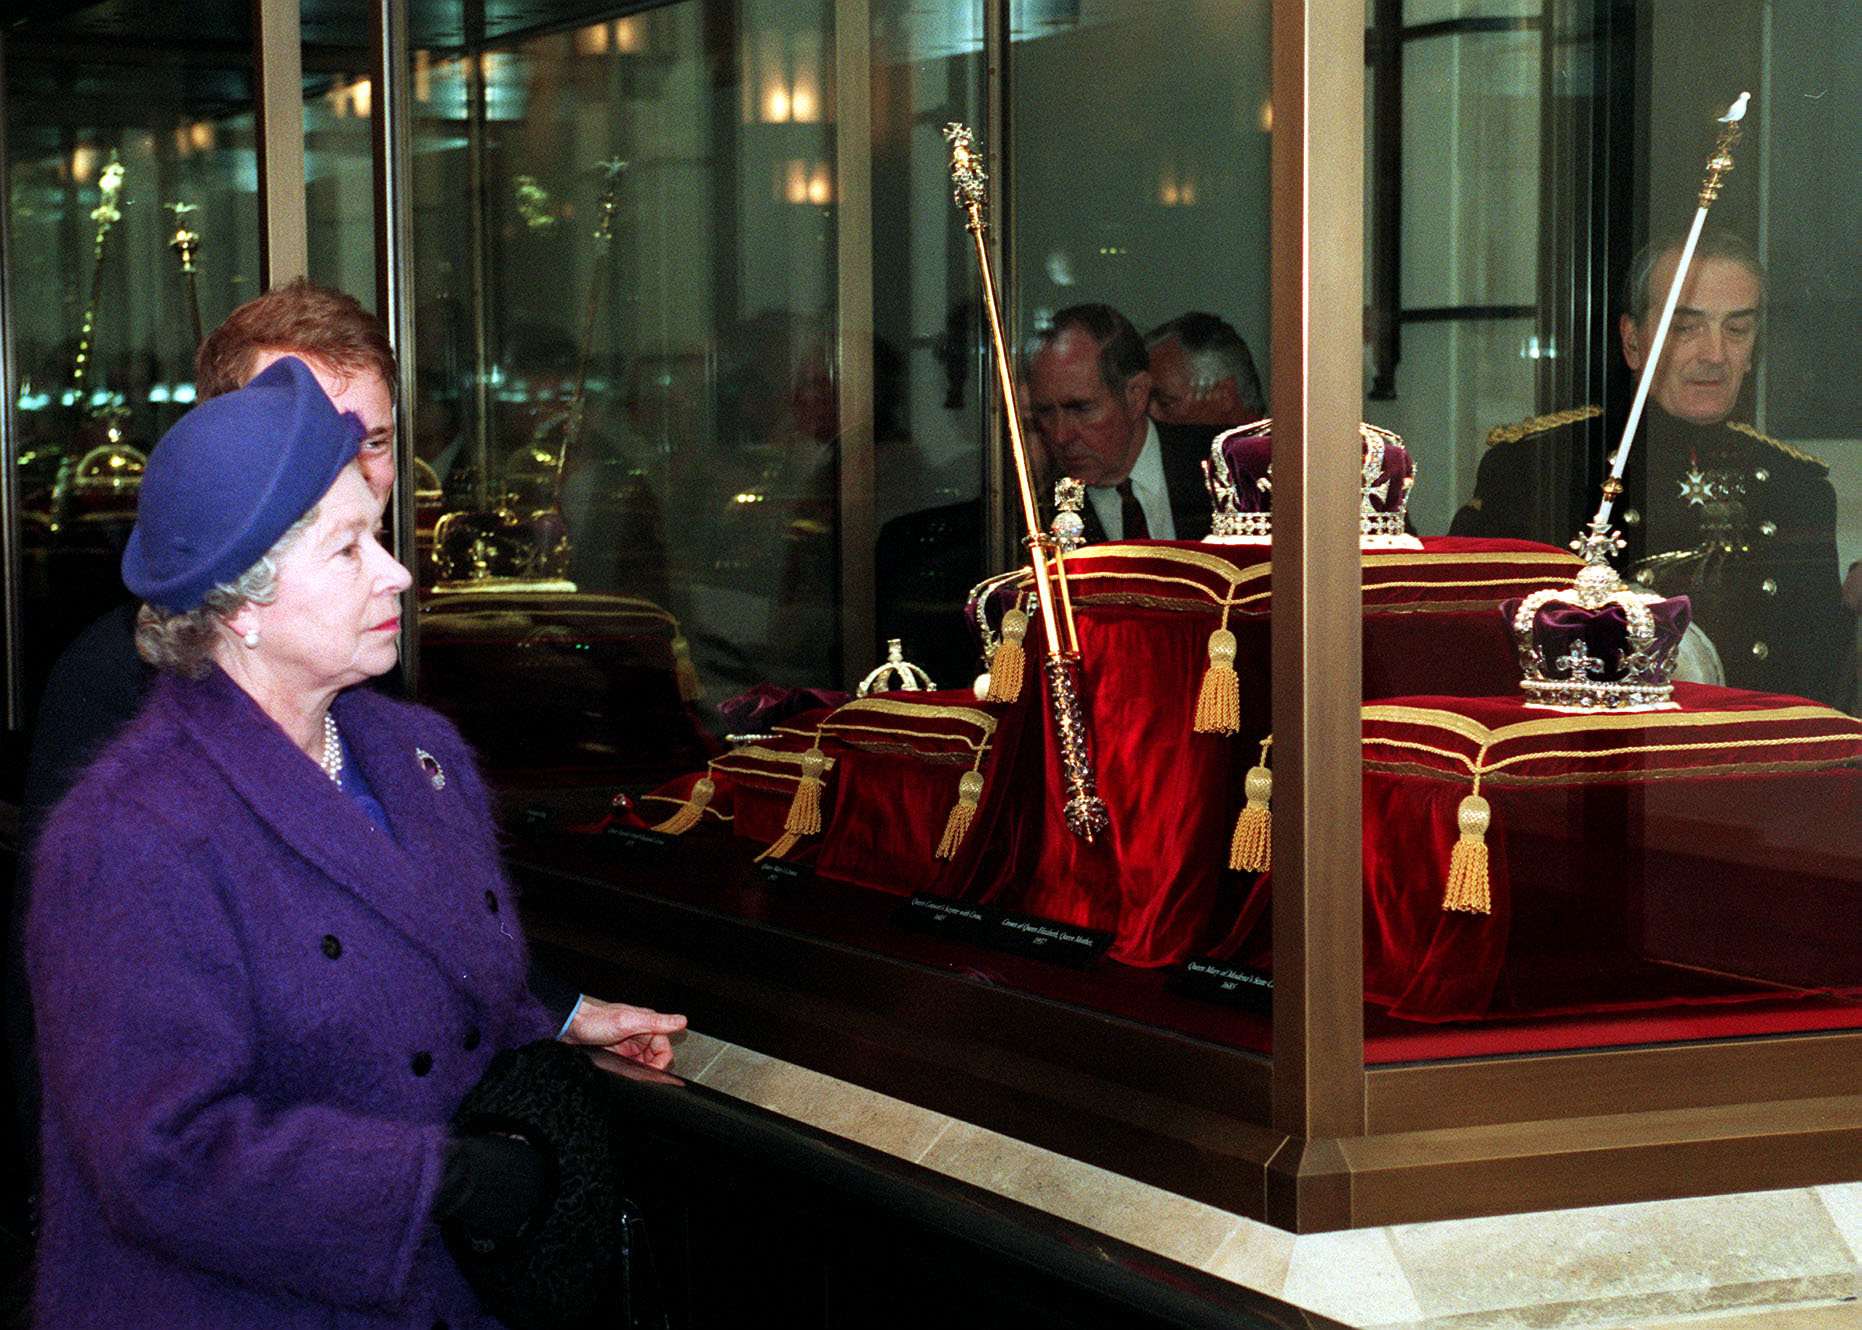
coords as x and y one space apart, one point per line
701 410
132 225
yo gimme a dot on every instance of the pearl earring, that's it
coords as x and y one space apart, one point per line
252 638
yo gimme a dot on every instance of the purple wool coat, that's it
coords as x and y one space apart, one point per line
256 1013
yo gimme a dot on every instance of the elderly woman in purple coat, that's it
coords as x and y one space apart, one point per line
271 945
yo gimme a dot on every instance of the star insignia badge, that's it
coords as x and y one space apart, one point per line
1696 488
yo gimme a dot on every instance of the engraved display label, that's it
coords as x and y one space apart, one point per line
782 873
1218 981
948 918
1048 939
638 842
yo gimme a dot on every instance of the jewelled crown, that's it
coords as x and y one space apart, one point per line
1239 476
1597 645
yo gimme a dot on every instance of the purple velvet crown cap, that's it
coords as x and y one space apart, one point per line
1388 490
229 478
1248 452
1589 657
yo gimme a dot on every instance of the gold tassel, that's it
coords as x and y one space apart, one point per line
805 809
1251 849
779 847
962 813
686 815
685 673
1006 666
1468 889
1218 706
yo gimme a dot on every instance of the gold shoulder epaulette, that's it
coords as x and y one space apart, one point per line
1741 427
1525 429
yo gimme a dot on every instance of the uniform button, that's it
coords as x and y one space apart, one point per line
422 1063
1760 473
1769 586
491 901
1768 528
1760 650
1632 517
332 946
472 1038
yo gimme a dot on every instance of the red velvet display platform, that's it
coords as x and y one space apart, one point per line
1158 879
1690 874
891 811
1709 854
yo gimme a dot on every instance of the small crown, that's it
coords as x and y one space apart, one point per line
1597 645
910 677
1238 474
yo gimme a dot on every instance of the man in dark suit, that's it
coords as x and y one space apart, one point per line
1202 373
1089 386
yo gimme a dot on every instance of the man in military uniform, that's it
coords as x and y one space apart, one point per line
1712 509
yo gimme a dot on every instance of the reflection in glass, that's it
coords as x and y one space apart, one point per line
1693 855
629 351
134 225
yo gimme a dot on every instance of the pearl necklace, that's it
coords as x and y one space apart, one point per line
332 762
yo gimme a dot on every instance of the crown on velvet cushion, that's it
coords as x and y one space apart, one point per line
1597 645
1239 476
1389 474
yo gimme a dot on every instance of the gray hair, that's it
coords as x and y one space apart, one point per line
1121 351
1215 352
1713 244
182 642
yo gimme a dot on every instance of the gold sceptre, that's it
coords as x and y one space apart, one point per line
1597 543
1084 811
604 240
106 214
185 242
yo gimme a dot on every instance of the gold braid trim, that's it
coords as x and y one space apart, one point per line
1490 556
1507 780
929 710
706 811
1479 733
760 754
1740 427
1525 429
906 750
1480 765
1222 568
1133 600
971 744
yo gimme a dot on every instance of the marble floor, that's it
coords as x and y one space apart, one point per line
1783 1260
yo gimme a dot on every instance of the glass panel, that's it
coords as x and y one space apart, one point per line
631 348
339 159
121 132
1646 865
726 526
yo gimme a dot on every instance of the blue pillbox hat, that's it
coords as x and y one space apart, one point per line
229 478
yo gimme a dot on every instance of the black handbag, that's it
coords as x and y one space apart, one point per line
584 1258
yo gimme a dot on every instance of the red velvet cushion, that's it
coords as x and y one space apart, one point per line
1158 879
1724 836
899 758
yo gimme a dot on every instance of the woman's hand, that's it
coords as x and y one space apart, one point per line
635 1033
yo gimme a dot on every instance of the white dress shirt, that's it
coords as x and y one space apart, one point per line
1149 487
